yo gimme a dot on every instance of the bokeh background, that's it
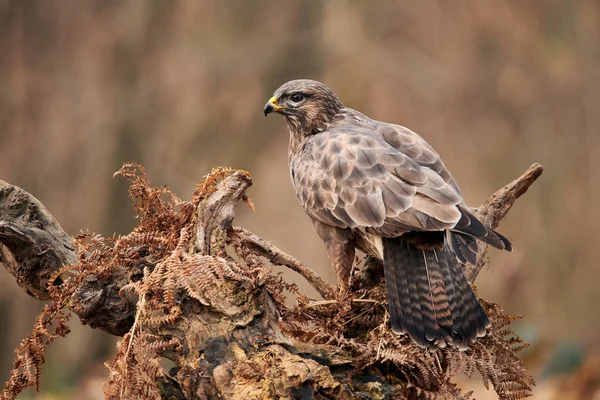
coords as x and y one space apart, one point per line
179 87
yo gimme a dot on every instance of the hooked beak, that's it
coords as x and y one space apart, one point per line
272 106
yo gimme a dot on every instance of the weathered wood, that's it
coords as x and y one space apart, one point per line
33 247
278 257
495 208
32 244
216 213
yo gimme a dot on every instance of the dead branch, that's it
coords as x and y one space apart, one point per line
32 244
216 213
495 208
221 318
34 247
278 257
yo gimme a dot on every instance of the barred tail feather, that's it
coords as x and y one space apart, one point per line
429 296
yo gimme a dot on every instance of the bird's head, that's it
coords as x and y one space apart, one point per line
306 105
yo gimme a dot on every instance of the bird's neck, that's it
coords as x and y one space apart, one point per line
297 140
314 121
312 124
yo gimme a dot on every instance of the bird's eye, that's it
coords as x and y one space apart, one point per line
297 97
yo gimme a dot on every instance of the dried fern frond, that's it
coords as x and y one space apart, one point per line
358 323
148 200
134 370
162 215
211 180
50 324
495 357
162 290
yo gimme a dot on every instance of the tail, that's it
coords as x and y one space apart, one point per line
468 229
429 296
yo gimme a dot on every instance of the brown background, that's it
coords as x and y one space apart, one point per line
179 86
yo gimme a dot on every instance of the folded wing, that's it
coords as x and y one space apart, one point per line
356 179
387 179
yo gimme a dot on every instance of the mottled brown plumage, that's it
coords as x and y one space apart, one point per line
382 189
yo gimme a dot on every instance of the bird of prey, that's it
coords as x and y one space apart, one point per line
382 189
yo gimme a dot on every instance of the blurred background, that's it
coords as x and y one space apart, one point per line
179 86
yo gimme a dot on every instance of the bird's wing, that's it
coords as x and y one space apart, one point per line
414 146
350 177
468 227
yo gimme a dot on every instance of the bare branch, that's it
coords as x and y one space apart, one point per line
497 206
278 257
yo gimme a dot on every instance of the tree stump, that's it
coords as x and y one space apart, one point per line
188 286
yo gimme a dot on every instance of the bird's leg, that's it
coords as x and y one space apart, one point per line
341 256
340 249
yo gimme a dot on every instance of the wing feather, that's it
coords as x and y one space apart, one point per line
442 212
397 196
368 210
366 176
414 146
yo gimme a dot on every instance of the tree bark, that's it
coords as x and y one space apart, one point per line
230 331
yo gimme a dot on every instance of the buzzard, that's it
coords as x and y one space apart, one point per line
382 189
